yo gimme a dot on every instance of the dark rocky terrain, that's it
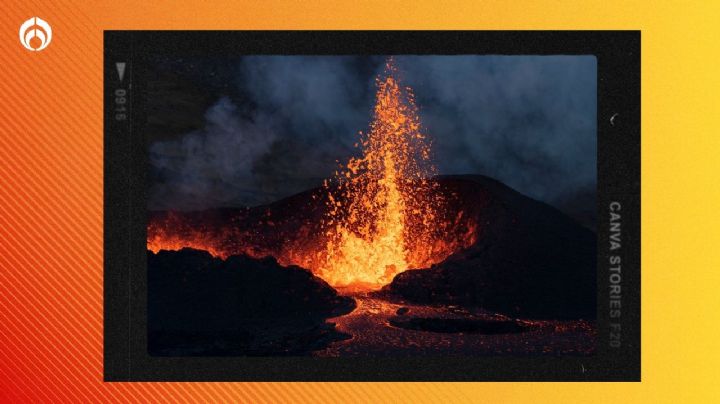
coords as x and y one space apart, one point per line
200 305
529 261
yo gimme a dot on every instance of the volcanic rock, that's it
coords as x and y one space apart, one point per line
529 260
201 305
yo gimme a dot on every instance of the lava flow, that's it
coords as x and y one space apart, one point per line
381 214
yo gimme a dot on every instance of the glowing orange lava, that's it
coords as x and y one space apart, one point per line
383 213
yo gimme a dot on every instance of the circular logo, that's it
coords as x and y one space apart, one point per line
35 34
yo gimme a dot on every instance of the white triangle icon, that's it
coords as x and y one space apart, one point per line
120 69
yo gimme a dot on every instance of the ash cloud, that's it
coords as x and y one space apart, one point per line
210 167
528 121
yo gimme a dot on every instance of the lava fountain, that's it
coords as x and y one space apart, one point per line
382 215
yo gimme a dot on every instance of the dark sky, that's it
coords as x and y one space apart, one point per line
275 125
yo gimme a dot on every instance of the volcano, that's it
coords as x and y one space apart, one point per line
380 213
387 250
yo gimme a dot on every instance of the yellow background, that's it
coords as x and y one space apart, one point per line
51 194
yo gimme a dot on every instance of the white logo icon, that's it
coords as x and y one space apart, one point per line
35 28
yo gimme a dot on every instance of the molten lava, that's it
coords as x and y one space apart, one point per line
384 213
381 214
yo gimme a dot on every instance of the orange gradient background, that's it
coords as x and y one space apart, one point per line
51 195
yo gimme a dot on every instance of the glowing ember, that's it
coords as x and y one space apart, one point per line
381 214
174 232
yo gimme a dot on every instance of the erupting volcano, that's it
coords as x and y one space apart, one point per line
381 254
381 214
